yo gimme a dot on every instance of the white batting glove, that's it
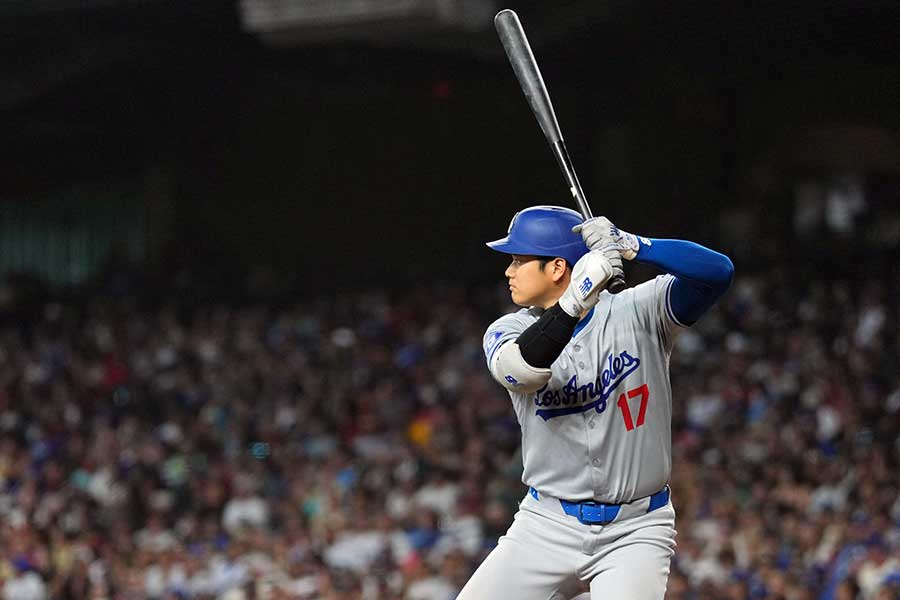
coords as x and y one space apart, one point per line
589 275
600 234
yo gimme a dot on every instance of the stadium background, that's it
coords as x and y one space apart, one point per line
245 282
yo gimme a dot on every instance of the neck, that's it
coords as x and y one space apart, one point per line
550 301
556 291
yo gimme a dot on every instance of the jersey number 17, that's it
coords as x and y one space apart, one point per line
642 391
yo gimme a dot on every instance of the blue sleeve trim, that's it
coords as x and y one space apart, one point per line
669 310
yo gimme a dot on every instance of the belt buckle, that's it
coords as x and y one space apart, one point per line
581 518
603 520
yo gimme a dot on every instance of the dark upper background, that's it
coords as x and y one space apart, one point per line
392 151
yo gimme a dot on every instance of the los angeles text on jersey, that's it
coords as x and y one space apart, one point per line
574 398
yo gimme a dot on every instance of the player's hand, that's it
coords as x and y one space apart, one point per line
600 234
597 235
589 275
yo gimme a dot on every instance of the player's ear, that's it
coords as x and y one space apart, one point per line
559 269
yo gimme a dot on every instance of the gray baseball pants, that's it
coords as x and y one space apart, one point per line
549 555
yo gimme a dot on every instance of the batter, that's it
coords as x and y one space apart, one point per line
588 375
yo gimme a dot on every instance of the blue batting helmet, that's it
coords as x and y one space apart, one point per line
543 231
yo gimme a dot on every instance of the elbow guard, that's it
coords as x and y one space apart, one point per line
512 372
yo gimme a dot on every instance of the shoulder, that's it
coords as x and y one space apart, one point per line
652 289
521 318
508 326
658 284
644 300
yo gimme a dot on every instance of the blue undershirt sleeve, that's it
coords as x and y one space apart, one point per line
702 275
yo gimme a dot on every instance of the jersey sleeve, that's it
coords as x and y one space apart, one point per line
653 307
506 328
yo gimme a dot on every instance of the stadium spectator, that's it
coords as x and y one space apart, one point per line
358 449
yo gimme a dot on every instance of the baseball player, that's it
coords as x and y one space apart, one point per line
588 374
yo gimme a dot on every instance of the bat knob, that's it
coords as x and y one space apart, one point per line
505 14
616 284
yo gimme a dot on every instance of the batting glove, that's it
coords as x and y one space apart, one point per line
589 275
600 234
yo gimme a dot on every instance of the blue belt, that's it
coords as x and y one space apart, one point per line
598 513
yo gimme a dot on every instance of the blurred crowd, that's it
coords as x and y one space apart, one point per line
354 446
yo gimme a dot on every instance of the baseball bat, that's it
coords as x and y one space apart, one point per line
514 41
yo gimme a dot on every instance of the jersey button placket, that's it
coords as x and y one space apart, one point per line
590 419
596 474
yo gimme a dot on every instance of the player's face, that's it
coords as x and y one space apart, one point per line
529 285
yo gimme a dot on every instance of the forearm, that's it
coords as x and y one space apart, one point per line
688 260
544 340
701 275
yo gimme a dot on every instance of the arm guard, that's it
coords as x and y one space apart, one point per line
512 372
543 342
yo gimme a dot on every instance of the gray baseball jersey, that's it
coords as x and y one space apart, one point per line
601 427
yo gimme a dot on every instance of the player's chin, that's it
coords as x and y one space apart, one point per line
518 299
